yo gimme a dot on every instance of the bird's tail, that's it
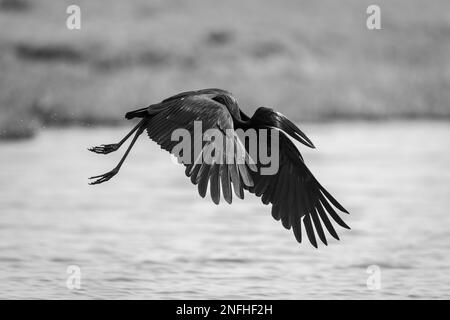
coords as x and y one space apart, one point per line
139 113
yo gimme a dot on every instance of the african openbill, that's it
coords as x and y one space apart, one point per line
294 192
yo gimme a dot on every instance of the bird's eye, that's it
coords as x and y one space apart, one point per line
220 99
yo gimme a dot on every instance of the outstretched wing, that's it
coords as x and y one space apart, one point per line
181 112
297 196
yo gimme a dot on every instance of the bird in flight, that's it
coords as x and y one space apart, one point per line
296 196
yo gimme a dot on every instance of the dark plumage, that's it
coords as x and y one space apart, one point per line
295 194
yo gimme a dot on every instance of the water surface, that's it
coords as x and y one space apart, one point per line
147 233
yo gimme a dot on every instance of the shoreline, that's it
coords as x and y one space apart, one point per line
25 132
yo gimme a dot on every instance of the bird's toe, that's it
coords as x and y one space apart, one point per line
103 177
105 148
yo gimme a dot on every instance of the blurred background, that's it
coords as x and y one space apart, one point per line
375 102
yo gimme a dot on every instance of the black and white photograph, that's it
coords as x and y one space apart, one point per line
224 150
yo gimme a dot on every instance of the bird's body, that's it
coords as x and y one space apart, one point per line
294 192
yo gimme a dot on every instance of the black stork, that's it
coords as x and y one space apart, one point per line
295 194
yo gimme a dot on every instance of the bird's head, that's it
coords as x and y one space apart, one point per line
267 117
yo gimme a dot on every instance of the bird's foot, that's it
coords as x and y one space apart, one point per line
103 177
105 148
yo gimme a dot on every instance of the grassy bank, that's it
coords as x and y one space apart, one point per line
312 61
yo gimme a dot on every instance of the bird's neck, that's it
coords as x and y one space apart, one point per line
241 124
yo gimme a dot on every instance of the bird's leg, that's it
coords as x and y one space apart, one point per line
108 148
106 176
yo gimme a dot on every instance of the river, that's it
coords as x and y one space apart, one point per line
146 234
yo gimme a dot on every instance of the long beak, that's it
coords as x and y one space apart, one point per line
294 131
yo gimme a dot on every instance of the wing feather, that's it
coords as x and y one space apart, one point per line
214 183
204 178
332 212
326 221
297 197
226 183
180 112
309 230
